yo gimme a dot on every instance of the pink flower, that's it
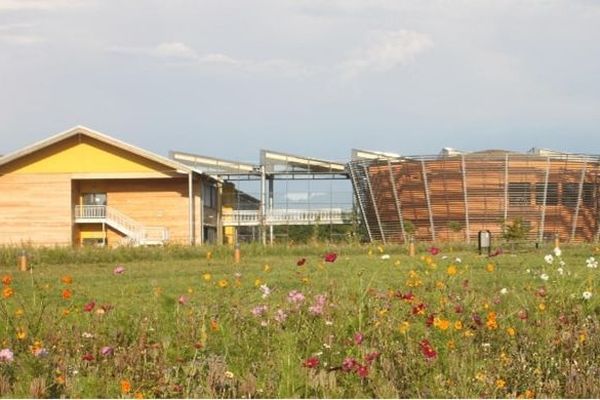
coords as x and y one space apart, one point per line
89 306
372 356
330 257
319 304
280 316
358 338
6 355
119 270
311 362
362 371
182 299
434 251
259 310
295 297
107 351
349 364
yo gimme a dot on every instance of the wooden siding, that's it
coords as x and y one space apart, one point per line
35 209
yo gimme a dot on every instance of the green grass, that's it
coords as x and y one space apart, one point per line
213 346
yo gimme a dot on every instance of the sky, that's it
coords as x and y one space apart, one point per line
226 78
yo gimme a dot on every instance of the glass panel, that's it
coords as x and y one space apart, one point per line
551 195
94 199
519 194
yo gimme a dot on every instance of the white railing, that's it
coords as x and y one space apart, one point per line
286 217
136 232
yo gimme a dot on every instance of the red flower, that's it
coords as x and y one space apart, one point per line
330 257
434 251
458 308
311 362
89 306
429 320
349 364
427 350
419 309
87 357
301 262
358 338
362 371
372 356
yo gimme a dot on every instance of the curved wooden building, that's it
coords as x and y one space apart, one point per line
454 195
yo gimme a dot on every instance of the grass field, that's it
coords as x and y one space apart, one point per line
315 321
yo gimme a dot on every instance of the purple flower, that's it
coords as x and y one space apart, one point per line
259 310
119 270
107 351
6 355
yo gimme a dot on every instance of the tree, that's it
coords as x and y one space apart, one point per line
516 230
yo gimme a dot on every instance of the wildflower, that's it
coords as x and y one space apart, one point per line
40 352
67 293
330 257
490 267
125 386
87 335
491 321
591 262
457 260
511 331
6 355
311 362
229 375
19 312
7 292
560 271
372 356
385 257
318 305
89 306
503 291
587 295
522 314
500 383
207 277
452 270
549 258
67 279
427 350
280 316
87 357
223 283
358 338
119 270
295 297
404 327
138 395
266 268
458 325
362 371
266 291
544 277
557 251
434 251
349 364
419 309
542 306
182 299
208 255
259 310
214 325
6 280
21 334
301 262
441 324
107 351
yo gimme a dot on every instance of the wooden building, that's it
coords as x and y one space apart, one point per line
83 187
454 195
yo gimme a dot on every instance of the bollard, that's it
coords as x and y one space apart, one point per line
556 241
23 261
411 246
236 253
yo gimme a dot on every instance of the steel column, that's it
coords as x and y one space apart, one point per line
505 188
191 207
360 203
543 216
374 203
576 214
396 200
464 179
426 185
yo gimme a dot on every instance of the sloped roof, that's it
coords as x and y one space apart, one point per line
82 130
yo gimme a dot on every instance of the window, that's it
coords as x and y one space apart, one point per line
519 194
570 192
588 194
94 199
209 194
551 194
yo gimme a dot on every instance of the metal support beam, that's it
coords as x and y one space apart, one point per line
374 203
463 170
359 200
505 189
219 213
191 208
397 201
543 216
270 209
426 186
576 214
201 210
263 205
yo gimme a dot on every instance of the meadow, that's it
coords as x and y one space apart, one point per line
335 321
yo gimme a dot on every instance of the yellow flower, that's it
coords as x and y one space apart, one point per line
7 292
267 268
451 345
19 312
60 380
490 267
21 334
305 280
458 325
209 255
397 263
404 327
452 270
582 337
469 333
528 394
441 324
66 312
440 285
370 252
223 283
511 331
500 383
257 282
542 306
207 277
190 290
380 248
480 376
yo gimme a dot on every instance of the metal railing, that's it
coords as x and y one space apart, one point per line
286 217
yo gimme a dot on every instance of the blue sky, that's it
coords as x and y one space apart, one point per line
227 78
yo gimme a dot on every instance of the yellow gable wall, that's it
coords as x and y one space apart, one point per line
82 154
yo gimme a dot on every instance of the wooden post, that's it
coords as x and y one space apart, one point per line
23 262
411 246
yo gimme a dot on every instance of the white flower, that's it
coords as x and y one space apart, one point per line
504 291
544 277
528 270
265 291
560 271
557 251
562 263
458 260
385 257
229 375
548 258
591 262
87 335
587 295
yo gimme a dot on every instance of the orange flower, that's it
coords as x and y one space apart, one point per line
7 292
125 386
452 270
223 283
138 395
66 294
67 279
214 325
6 280
491 321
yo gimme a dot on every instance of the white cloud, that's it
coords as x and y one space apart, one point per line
18 34
386 50
17 5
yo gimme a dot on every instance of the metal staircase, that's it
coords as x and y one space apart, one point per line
365 200
136 234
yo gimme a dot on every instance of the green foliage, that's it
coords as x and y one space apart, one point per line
409 227
455 226
516 230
